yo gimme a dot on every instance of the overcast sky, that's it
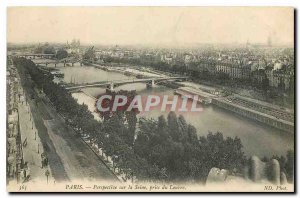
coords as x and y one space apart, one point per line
150 25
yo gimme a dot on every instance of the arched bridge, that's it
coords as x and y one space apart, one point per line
64 61
33 56
51 59
112 84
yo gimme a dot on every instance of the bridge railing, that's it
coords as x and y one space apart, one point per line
121 82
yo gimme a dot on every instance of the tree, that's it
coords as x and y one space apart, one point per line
192 135
162 128
173 126
49 50
265 84
38 50
61 54
89 54
182 128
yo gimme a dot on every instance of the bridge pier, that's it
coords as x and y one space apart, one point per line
111 87
150 84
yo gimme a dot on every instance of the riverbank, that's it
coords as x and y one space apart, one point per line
255 115
249 108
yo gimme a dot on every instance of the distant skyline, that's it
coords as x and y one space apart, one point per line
151 25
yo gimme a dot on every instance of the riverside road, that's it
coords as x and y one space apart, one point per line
69 157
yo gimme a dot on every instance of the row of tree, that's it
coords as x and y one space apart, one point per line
49 49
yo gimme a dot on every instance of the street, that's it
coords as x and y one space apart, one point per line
69 157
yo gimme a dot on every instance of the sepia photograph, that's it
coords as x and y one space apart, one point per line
150 99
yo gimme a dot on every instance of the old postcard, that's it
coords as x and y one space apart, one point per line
150 99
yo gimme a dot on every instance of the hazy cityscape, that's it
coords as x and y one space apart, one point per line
245 87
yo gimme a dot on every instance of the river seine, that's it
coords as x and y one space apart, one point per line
257 139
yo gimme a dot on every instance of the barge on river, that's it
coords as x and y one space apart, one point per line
203 97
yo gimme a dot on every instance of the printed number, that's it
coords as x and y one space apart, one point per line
23 188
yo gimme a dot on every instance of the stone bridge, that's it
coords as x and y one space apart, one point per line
56 62
52 59
33 56
150 82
